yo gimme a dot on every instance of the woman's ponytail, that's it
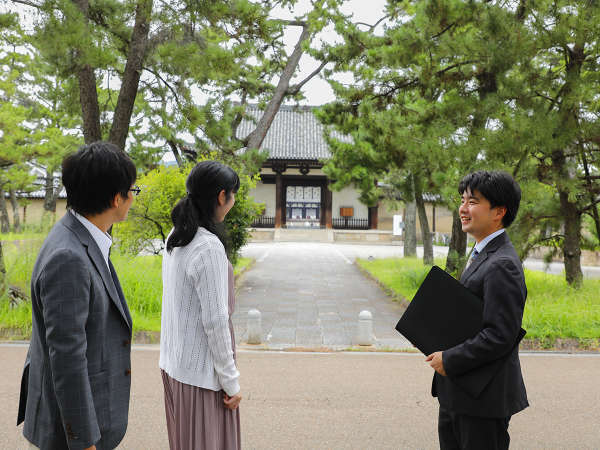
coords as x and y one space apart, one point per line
197 209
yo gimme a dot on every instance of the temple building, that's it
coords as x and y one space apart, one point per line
293 187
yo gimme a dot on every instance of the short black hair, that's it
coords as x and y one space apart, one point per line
94 175
499 188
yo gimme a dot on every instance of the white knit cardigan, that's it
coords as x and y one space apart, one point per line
195 341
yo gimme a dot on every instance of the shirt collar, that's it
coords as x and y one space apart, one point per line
102 239
485 241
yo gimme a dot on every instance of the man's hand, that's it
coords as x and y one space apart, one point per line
232 402
93 447
435 360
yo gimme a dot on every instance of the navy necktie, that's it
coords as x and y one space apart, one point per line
473 257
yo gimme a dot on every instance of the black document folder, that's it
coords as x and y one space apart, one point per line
443 314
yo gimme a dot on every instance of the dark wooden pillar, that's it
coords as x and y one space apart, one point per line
433 216
328 196
278 200
373 217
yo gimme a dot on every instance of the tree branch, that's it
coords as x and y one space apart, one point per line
293 90
435 36
157 75
454 66
372 27
25 2
256 138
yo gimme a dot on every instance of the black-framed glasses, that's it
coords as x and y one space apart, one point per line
136 190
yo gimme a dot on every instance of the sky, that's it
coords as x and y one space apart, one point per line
317 91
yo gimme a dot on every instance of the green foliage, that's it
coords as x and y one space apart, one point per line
140 277
149 221
553 308
449 87
241 216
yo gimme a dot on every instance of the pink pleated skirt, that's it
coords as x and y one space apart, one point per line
197 419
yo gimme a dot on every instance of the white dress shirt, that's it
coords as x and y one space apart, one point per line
102 239
481 245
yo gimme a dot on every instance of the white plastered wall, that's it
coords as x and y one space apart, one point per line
348 197
265 193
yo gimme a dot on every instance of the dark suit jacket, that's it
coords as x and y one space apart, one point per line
496 276
76 382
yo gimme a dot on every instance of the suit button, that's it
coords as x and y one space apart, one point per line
125 343
127 372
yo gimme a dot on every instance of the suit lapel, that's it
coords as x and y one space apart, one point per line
491 247
120 292
97 259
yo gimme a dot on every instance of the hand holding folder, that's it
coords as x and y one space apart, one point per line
443 314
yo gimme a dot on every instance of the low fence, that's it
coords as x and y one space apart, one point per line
264 222
350 223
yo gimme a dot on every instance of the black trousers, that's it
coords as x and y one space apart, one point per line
460 432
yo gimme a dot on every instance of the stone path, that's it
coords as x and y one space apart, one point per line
310 295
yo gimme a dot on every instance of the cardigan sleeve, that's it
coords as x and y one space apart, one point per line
209 271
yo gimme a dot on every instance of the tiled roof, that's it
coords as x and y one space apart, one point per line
40 193
294 134
40 174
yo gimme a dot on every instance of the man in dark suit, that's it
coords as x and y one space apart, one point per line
490 201
76 381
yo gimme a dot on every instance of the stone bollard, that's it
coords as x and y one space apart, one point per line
365 328
254 327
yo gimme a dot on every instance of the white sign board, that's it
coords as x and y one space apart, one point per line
398 225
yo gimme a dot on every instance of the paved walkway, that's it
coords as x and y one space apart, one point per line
310 295
346 401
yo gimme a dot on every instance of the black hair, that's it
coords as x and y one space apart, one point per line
499 188
94 175
197 209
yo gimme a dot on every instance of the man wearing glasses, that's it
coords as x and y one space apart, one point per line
76 382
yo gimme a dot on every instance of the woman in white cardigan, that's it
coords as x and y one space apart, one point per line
197 346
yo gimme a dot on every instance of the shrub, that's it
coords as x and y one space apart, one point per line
149 221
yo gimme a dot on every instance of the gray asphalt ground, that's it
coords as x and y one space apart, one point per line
348 401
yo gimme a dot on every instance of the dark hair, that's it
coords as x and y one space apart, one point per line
499 188
94 175
197 209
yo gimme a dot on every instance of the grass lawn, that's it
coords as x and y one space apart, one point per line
553 309
140 278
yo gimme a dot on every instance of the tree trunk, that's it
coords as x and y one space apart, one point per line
15 207
2 272
458 246
176 153
571 244
88 95
131 76
50 194
410 229
256 138
424 222
592 196
4 221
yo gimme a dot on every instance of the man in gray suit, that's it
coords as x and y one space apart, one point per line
76 381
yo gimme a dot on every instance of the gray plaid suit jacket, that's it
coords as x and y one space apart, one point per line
76 381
